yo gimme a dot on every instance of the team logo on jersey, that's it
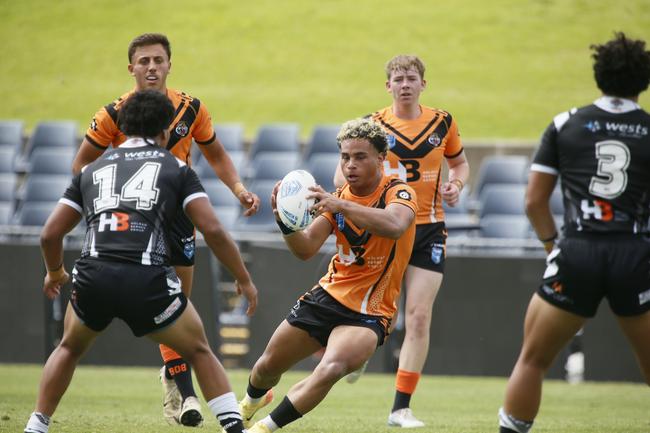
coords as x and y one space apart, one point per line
592 126
391 140
113 156
93 124
182 129
434 139
404 195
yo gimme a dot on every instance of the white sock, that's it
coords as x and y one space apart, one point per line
508 421
225 406
250 400
268 421
38 423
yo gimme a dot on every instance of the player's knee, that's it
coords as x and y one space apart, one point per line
71 350
419 323
330 371
265 367
537 361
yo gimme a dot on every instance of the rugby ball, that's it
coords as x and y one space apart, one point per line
291 201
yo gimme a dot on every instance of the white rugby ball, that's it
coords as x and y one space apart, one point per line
293 206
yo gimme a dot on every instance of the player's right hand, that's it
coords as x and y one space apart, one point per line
274 205
250 292
53 282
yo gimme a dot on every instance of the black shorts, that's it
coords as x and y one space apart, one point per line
318 313
585 269
429 247
182 241
147 298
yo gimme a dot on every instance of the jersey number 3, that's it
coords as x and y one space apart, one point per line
141 187
611 179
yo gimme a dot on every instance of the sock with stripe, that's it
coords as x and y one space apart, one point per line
226 410
510 424
405 384
37 423
284 413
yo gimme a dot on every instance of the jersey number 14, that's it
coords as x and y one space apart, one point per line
141 187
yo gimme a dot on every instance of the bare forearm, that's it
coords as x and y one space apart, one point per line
226 251
52 250
376 221
542 220
225 170
460 172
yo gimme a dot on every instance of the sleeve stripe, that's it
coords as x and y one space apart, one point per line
72 204
191 197
214 135
94 143
544 169
455 154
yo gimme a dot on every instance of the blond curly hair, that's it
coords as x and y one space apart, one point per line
364 128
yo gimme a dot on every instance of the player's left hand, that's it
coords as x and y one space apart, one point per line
53 282
450 193
325 202
249 291
250 201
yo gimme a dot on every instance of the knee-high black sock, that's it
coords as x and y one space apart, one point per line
284 413
180 371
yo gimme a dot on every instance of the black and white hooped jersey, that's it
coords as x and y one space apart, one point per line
602 154
130 197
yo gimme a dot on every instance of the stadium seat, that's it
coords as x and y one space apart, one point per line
502 199
323 140
273 165
205 171
35 213
6 212
7 187
462 205
45 187
263 220
11 134
227 215
231 135
60 133
505 226
501 169
323 166
219 194
7 158
51 161
277 137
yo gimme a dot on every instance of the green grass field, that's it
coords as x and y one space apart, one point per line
119 400
503 67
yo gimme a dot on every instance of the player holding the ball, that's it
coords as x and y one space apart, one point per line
349 310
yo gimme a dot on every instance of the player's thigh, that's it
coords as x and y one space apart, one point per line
350 346
547 329
185 334
637 331
77 337
288 345
422 286
186 275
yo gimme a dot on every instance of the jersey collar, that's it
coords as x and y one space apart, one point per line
135 142
614 104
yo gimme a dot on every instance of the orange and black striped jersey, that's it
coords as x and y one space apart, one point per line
191 121
366 273
416 148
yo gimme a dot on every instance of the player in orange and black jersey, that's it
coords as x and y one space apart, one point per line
601 153
420 138
149 63
349 311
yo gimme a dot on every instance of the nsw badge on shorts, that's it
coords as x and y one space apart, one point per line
437 251
188 249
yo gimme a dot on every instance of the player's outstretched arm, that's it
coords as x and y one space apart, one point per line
86 154
223 246
62 220
390 222
538 208
218 158
303 244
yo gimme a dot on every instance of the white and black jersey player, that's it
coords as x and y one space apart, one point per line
601 154
130 197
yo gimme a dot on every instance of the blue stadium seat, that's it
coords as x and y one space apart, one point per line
273 165
501 169
219 194
35 213
45 187
205 171
505 226
462 207
277 137
263 220
62 133
6 212
228 215
323 140
7 187
11 134
231 135
51 161
323 166
505 199
7 158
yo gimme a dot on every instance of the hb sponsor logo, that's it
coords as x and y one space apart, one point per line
113 221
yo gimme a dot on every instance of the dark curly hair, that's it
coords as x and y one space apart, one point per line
621 66
145 114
